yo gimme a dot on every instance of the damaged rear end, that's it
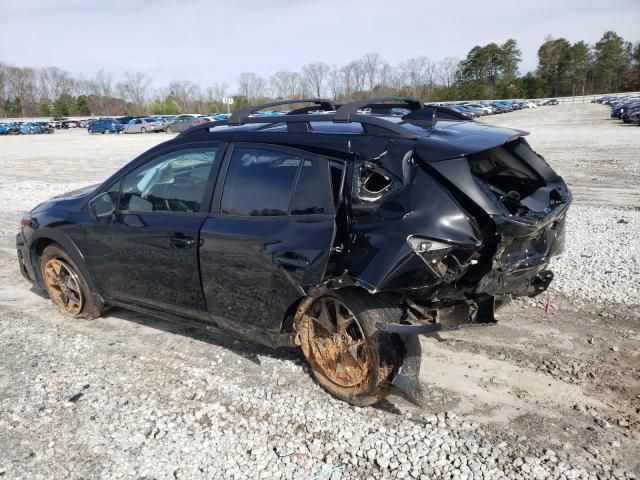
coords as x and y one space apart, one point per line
451 229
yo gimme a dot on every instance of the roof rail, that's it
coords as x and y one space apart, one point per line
302 124
240 117
346 111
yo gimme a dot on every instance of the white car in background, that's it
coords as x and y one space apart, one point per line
530 104
143 125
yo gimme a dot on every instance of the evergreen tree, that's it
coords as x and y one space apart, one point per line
64 105
82 105
609 61
554 59
44 107
579 66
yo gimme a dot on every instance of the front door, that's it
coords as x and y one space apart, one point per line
269 237
148 253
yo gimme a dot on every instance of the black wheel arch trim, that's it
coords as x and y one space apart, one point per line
52 235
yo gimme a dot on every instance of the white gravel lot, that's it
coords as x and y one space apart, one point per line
553 395
602 257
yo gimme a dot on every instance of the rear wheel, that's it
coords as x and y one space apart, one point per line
349 356
143 130
65 284
169 130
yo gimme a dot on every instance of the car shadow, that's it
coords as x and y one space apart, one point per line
243 348
39 292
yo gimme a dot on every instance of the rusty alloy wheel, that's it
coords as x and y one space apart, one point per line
337 343
63 286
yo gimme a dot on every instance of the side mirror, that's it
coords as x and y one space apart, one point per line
102 206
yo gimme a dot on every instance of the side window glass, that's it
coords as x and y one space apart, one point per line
114 192
174 182
313 193
259 182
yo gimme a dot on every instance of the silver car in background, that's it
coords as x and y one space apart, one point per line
183 122
143 125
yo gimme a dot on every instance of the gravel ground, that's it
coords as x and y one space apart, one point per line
602 257
549 393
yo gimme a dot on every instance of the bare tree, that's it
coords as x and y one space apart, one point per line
220 90
334 80
286 84
251 86
314 75
102 88
358 75
430 71
133 89
371 63
416 72
398 78
346 80
447 70
385 78
104 83
56 82
3 87
22 85
184 92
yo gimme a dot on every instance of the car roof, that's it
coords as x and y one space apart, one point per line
437 132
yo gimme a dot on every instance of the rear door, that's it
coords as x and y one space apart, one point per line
269 236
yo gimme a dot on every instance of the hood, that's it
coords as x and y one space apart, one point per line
66 197
78 192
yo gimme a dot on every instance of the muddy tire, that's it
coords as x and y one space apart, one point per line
65 284
349 356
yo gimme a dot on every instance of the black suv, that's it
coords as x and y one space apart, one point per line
345 230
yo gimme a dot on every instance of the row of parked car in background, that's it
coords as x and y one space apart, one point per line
623 107
142 124
150 124
180 123
25 128
479 109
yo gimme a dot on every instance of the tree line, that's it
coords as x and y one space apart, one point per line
489 71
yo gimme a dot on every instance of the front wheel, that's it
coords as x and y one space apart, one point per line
169 130
65 284
349 355
143 130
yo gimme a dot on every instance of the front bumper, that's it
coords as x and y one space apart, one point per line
24 259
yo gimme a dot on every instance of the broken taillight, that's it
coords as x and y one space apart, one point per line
445 261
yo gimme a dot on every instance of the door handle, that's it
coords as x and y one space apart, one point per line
179 240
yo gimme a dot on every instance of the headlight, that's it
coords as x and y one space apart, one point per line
28 221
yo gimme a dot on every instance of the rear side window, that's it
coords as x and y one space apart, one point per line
313 194
259 182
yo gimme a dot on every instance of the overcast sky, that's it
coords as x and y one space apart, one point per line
209 41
